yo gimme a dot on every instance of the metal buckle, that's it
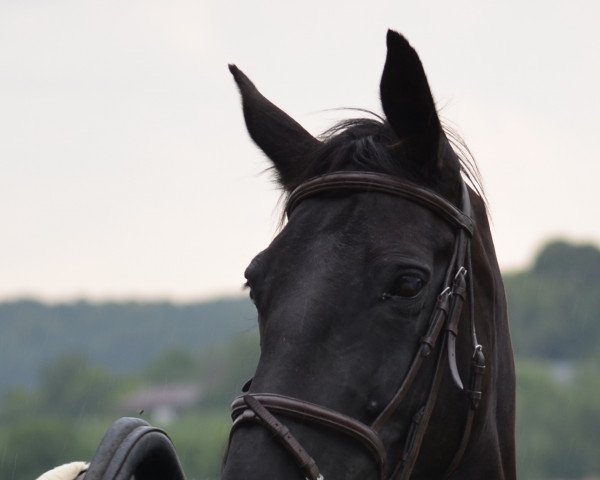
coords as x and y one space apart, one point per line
461 271
445 292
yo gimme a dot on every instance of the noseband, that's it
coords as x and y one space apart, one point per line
261 408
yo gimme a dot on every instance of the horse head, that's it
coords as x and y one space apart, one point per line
385 350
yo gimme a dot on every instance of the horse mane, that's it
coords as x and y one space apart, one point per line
467 164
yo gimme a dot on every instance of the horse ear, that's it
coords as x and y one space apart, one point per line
278 135
408 104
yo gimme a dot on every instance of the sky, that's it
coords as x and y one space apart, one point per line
127 171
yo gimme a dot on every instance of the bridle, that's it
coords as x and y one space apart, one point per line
262 407
456 290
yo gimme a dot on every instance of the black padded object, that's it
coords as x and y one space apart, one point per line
132 447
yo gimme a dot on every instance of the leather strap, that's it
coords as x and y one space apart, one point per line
459 296
381 183
420 423
428 343
306 463
475 394
306 411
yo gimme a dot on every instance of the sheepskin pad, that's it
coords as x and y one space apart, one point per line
68 471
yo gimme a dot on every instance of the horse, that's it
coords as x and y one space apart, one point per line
385 350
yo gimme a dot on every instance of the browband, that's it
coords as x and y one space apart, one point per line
383 183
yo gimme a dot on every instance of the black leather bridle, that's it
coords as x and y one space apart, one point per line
456 290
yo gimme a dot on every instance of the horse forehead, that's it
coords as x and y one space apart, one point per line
373 220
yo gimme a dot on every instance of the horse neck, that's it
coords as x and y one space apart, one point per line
493 433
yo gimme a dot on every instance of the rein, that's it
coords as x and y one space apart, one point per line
261 408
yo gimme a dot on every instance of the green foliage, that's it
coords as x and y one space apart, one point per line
200 440
573 263
558 423
227 369
64 418
554 312
121 337
221 370
173 365
34 445
70 385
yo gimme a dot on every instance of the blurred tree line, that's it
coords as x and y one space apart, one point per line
61 414
554 308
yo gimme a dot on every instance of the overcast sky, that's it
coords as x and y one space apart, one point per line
127 170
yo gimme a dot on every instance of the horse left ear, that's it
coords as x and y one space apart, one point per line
408 105
284 141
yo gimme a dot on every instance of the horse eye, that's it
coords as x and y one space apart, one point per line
407 286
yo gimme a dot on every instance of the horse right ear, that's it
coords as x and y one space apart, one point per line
408 104
279 136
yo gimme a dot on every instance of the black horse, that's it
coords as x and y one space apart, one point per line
379 297
364 339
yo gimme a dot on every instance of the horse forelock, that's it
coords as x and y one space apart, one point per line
371 145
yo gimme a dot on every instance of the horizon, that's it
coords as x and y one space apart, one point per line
225 295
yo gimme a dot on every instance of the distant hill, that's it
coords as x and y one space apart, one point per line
123 337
